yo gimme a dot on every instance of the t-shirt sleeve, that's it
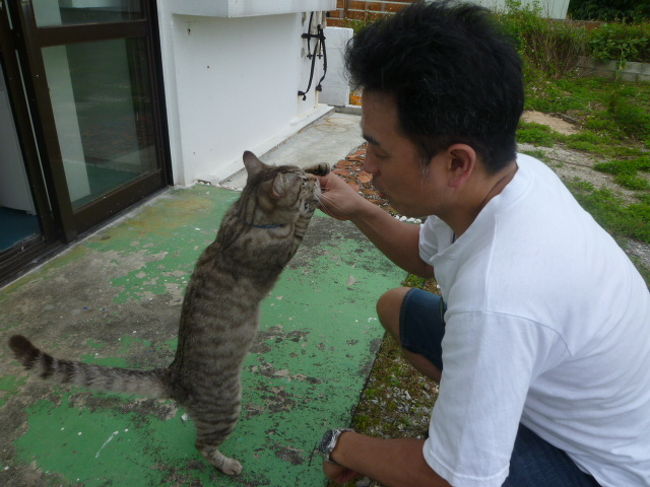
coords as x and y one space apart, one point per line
428 243
489 363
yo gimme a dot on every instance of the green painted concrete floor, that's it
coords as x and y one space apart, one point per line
115 298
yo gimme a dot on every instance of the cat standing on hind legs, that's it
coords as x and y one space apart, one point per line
258 236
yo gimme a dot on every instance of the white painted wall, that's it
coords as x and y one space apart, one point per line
336 86
232 82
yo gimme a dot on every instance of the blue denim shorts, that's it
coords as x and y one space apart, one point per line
422 324
534 462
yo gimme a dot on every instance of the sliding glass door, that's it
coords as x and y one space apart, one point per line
82 122
99 98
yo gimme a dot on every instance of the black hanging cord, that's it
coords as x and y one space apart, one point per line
319 87
320 43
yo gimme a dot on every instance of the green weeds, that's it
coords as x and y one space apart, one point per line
620 219
626 172
537 134
621 43
549 47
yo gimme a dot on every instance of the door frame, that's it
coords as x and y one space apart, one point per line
27 131
22 42
34 39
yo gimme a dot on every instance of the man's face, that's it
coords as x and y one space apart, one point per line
394 161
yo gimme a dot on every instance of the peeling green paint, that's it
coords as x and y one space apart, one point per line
127 344
90 447
153 230
304 374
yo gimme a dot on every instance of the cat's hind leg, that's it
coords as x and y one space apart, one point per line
227 465
211 432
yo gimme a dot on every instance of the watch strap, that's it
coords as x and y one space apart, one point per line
329 442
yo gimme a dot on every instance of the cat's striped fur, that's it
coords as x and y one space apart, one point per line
258 236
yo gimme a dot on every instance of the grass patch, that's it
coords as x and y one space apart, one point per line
621 220
537 134
614 110
628 112
632 181
394 386
628 166
626 172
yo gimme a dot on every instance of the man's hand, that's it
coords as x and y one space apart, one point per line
391 462
338 199
339 473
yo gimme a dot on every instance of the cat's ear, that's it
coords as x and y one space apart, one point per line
252 164
279 186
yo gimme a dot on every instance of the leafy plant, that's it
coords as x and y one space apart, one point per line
609 10
356 24
547 46
621 43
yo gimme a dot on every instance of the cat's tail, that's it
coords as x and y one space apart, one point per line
150 383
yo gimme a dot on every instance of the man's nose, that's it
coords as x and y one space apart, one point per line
369 165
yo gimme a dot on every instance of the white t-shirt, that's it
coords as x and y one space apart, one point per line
548 321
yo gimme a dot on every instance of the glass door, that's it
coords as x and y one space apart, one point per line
27 221
102 114
18 217
98 97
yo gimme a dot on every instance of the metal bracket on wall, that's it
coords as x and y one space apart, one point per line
319 52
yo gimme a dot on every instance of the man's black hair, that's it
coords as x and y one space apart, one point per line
455 77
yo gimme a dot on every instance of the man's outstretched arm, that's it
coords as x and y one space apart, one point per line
397 240
392 462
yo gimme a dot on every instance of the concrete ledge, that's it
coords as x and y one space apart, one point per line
350 109
329 139
631 71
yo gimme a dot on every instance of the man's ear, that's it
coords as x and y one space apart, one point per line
462 161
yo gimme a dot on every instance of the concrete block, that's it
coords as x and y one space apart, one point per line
336 89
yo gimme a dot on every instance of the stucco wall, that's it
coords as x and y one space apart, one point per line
231 84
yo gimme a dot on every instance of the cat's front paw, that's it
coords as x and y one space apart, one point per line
321 169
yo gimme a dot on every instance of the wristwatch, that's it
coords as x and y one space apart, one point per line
329 441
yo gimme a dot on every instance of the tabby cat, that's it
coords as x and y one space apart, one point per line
259 234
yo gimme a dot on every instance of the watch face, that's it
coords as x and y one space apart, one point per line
324 446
